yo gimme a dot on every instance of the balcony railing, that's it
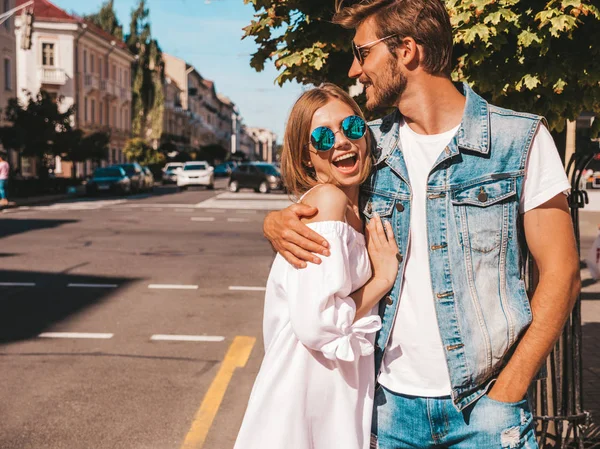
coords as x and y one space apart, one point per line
125 94
53 75
91 81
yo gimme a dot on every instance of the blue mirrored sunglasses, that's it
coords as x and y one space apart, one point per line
323 138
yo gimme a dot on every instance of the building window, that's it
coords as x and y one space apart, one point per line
85 110
93 110
114 72
92 62
84 61
101 113
114 116
100 68
48 54
7 75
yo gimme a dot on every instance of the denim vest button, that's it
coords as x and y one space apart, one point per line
388 300
399 257
483 197
399 207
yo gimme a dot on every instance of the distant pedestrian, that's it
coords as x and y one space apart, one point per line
4 170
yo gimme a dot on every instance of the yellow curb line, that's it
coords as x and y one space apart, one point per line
237 356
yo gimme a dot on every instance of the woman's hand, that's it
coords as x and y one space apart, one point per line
293 239
383 251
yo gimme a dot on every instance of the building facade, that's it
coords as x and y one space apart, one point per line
84 66
265 143
8 74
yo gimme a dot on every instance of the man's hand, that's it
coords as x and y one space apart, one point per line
293 239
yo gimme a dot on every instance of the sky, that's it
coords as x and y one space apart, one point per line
207 34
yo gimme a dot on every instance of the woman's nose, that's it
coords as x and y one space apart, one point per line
341 141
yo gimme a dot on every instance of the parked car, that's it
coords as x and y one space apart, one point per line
108 180
136 175
224 170
148 179
169 172
196 174
260 176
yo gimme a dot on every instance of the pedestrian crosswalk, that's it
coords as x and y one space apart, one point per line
246 202
257 201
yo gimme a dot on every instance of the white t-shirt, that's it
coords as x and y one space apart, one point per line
414 362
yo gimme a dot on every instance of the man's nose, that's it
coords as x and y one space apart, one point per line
355 69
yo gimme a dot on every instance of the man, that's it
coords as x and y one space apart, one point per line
468 188
4 171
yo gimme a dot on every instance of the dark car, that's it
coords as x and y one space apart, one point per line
224 170
135 173
108 180
260 176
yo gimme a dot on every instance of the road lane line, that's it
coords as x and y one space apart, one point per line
214 211
17 284
92 285
173 287
237 356
238 220
241 288
203 218
162 337
247 211
184 210
87 335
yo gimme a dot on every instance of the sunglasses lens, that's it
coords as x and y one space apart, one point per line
354 127
322 138
356 53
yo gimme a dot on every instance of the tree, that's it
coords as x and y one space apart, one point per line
148 76
78 147
212 153
39 128
533 55
106 19
138 150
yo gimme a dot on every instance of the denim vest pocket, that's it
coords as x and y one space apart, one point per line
382 205
481 211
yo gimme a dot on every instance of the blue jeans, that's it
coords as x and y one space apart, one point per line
3 183
401 422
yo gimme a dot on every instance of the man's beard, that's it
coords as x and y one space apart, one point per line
391 85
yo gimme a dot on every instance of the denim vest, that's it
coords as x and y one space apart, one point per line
474 231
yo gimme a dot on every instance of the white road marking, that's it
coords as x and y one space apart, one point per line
160 337
75 335
92 285
173 287
238 220
246 211
203 218
213 211
247 289
17 284
153 209
184 210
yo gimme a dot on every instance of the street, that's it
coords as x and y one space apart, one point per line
92 292
135 322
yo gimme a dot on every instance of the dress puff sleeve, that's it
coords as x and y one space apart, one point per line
321 309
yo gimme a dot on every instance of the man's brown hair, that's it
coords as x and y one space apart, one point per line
426 21
297 176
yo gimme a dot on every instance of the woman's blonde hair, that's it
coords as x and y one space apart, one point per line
296 174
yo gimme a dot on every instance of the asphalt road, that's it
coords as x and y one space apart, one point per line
91 291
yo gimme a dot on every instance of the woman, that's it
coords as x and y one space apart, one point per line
315 386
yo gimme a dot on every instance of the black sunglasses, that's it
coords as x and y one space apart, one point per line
358 52
323 138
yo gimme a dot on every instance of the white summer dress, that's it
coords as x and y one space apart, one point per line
315 386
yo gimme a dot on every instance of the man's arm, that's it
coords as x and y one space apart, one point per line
549 234
291 238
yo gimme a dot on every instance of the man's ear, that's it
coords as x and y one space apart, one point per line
408 53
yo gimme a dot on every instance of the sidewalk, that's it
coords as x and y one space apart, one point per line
590 318
35 200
